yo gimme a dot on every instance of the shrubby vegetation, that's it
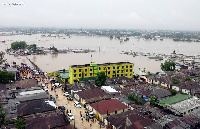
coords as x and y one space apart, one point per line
136 98
175 81
6 77
174 92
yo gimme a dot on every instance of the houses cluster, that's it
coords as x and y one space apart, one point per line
112 106
26 99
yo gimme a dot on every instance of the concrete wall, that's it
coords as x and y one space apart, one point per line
176 88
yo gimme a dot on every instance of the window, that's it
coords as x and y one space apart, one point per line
117 67
99 68
108 72
126 75
113 71
122 67
130 66
113 67
74 70
80 70
122 71
85 70
122 74
90 74
117 75
117 71
85 74
130 70
90 69
127 70
79 75
108 67
74 75
126 66
104 68
130 74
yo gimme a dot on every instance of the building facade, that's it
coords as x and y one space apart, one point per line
89 71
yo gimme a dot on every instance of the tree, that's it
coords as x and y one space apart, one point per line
6 77
168 66
32 47
18 45
175 81
20 123
152 101
2 60
174 92
188 79
137 99
101 79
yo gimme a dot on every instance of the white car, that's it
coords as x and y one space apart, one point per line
70 116
77 104
66 94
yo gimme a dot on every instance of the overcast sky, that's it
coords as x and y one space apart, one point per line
112 14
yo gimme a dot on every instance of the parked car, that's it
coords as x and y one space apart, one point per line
77 104
70 98
70 116
61 108
66 94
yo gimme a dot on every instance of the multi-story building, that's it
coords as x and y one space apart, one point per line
89 71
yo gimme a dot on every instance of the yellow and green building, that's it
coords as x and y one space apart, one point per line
89 71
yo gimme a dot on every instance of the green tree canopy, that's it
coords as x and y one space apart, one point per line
2 60
6 77
32 47
174 92
168 66
175 81
20 123
188 79
136 98
101 79
18 45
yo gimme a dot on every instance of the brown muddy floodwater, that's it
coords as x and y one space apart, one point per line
109 51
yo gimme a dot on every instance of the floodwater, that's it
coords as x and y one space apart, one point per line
106 51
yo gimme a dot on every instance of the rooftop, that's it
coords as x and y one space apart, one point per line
48 120
86 65
91 95
32 107
27 83
173 99
108 106
185 105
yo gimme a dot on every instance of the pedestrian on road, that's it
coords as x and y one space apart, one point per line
90 125
70 111
81 115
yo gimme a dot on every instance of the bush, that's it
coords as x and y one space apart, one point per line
175 81
174 92
137 99
6 77
188 79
